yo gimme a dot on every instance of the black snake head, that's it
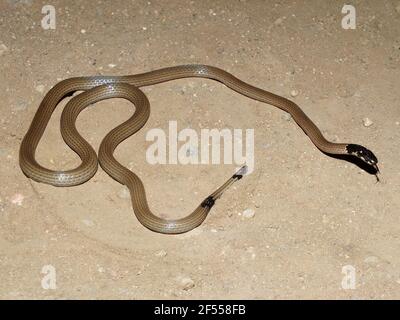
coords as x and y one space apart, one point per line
364 154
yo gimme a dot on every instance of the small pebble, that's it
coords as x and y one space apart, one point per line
161 253
286 116
294 93
278 21
367 122
100 269
186 283
131 165
248 213
250 250
17 199
112 65
40 88
124 193
3 48
83 31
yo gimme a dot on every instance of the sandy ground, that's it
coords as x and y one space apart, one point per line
313 214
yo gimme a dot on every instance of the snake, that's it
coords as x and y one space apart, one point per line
92 89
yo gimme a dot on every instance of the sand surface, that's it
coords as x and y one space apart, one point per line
313 214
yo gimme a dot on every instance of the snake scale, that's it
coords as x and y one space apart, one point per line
99 88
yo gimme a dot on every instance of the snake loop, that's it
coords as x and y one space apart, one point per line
104 87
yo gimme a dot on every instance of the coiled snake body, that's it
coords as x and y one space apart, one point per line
104 87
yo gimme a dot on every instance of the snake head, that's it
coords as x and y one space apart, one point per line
364 154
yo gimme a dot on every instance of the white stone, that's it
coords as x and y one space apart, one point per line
248 213
17 199
161 253
124 193
367 122
186 283
3 48
39 88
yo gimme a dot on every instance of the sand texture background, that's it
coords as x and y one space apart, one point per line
313 214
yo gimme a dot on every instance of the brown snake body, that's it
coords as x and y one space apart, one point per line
99 88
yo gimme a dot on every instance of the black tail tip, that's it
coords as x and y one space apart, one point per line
208 202
240 173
